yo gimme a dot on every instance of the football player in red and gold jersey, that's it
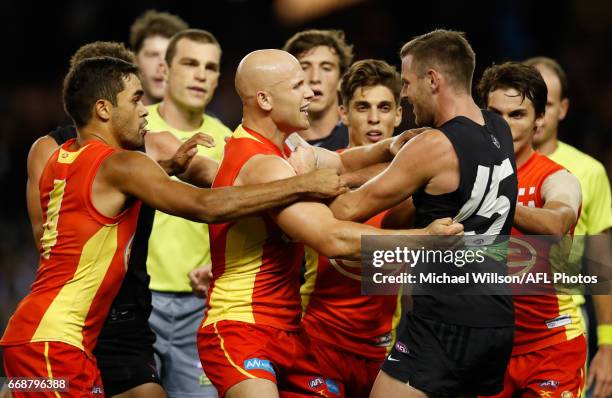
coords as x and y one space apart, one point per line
251 342
353 332
549 346
90 192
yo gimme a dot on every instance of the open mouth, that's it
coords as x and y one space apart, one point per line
317 94
304 109
374 135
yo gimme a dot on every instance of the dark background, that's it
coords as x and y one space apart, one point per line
38 38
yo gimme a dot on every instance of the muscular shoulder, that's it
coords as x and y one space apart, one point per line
264 168
123 165
40 151
430 145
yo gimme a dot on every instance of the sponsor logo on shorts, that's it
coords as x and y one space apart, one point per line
259 364
401 347
332 387
97 390
316 382
384 340
567 394
558 322
549 384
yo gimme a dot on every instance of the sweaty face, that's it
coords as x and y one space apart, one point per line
322 67
518 112
194 74
416 92
129 115
372 115
290 101
150 60
555 107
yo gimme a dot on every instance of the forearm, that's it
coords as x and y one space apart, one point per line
368 155
201 172
228 203
357 178
347 207
344 239
542 221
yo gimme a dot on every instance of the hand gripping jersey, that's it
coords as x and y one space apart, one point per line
541 320
255 266
337 313
84 255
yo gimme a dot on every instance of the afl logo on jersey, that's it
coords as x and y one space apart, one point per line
495 141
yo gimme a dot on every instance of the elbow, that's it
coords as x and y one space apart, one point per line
213 211
338 245
342 211
557 230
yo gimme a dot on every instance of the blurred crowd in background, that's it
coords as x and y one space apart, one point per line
39 38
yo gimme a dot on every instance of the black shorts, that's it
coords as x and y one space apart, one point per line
122 372
125 350
445 360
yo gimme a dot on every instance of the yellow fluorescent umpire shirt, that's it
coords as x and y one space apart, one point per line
596 215
176 245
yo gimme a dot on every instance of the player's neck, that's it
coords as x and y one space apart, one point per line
548 147
453 104
265 127
321 125
179 117
523 155
97 132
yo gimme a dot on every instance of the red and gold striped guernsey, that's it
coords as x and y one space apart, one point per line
255 265
83 258
541 320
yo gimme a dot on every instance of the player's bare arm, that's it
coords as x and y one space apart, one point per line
181 159
126 174
428 160
314 224
562 198
39 154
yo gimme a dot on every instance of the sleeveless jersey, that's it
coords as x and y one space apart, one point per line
84 255
337 313
127 322
541 320
484 203
256 268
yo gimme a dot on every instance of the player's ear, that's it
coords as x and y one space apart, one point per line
433 79
103 109
398 116
264 100
344 115
564 106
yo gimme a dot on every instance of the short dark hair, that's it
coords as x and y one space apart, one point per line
197 35
102 49
90 80
555 68
369 73
154 23
523 78
303 41
444 50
